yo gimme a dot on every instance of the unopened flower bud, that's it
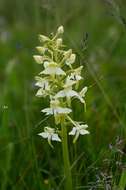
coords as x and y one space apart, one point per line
59 42
46 63
67 54
38 59
41 50
72 58
60 30
43 38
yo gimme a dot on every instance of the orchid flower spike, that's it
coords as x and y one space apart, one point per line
59 82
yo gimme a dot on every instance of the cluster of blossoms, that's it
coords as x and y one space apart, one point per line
59 82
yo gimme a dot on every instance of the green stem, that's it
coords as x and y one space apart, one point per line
122 183
67 169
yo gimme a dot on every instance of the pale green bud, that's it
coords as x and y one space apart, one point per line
72 58
59 42
38 59
60 30
67 54
43 38
41 50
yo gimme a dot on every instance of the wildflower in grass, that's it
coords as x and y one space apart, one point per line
68 92
76 74
79 129
50 134
59 81
56 109
55 80
44 87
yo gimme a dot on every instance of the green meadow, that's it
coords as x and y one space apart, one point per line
96 31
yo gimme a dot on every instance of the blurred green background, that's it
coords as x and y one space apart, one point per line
96 30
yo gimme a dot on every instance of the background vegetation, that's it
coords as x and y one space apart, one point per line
96 29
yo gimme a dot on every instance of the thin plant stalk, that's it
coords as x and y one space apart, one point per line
122 183
67 169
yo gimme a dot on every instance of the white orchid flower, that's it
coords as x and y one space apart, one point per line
75 77
76 74
52 68
44 88
56 109
49 133
79 129
68 92
43 84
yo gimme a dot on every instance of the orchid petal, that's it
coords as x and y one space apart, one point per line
56 138
73 132
44 135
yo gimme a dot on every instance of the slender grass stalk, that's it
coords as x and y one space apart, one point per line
67 169
7 167
122 183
